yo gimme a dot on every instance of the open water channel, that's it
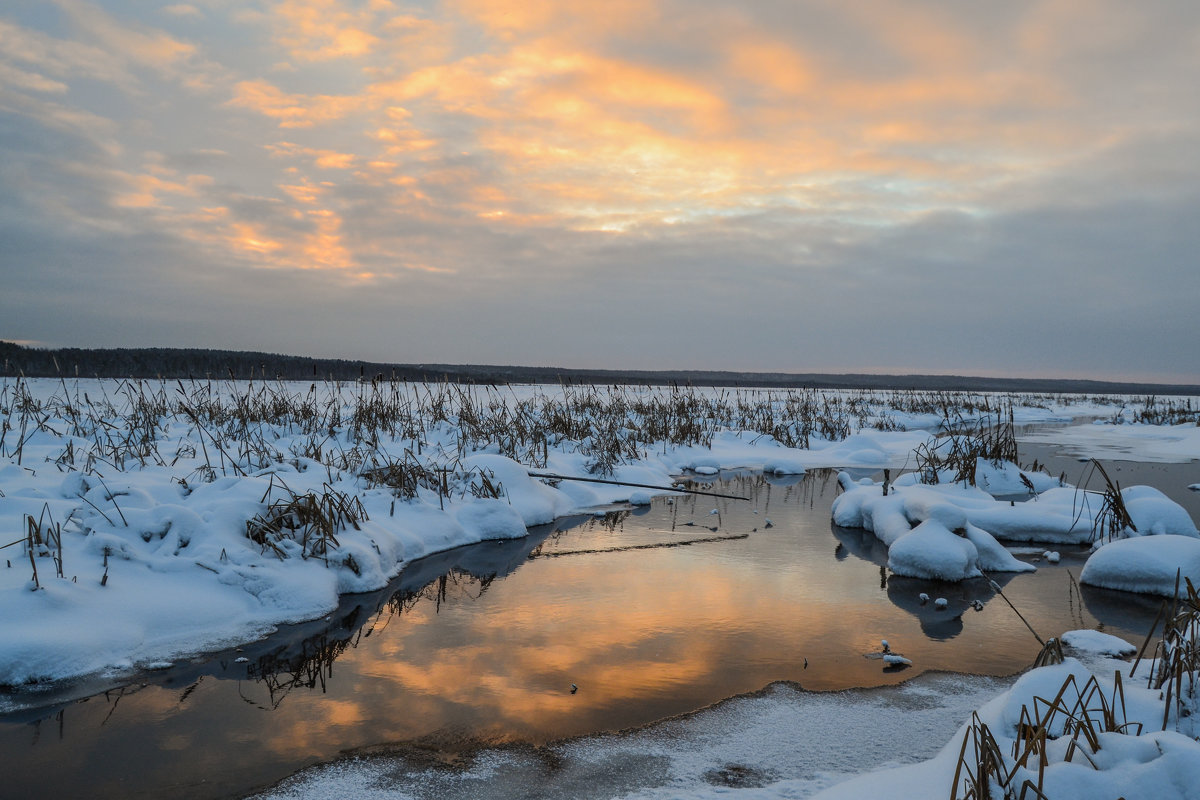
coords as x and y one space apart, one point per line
649 612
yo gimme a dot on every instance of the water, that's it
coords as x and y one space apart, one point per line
650 613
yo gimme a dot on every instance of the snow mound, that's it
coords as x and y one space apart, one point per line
1146 564
1006 479
927 529
1105 644
1059 515
1153 513
932 552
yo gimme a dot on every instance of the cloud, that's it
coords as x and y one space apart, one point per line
291 110
182 10
756 175
58 58
136 43
30 81
322 30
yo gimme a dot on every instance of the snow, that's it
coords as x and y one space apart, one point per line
952 531
1090 641
1149 565
156 562
156 565
1005 479
932 552
1156 764
1153 512
1140 442
740 449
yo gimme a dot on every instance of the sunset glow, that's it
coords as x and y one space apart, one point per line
552 146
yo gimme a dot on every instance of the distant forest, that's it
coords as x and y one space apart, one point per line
186 363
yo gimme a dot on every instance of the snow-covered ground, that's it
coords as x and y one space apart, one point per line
149 522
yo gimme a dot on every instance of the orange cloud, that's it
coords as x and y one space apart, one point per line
484 112
323 248
145 46
465 85
252 239
146 189
304 193
771 64
322 30
540 17
322 159
291 110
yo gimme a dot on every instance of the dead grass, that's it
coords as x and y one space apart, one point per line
964 442
1082 713
1111 521
311 519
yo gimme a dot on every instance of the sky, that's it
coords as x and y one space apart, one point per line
986 188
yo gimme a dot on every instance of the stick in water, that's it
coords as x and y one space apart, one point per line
638 485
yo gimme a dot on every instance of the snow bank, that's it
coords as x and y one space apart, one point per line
950 531
1089 641
158 562
1148 565
734 449
932 552
928 529
1156 765
154 568
1008 479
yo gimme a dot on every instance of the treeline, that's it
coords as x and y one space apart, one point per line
198 363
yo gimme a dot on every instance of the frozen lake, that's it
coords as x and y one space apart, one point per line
650 612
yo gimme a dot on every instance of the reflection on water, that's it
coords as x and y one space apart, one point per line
650 612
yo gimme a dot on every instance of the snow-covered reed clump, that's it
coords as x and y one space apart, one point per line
945 520
1071 731
952 531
